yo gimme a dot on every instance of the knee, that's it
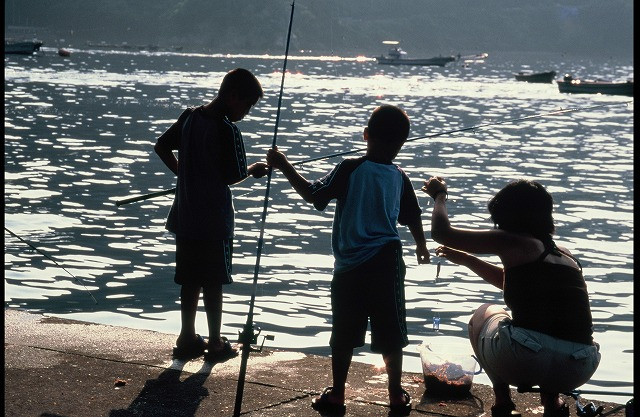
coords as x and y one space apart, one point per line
484 312
480 316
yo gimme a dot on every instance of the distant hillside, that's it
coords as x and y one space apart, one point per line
590 27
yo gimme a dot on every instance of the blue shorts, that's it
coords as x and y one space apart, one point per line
203 262
373 291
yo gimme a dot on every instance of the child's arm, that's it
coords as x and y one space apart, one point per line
278 160
258 169
166 144
493 274
421 242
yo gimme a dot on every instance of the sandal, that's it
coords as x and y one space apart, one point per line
563 411
506 410
402 409
191 350
322 404
218 356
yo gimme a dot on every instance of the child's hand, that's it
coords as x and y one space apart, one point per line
454 255
276 159
258 170
434 185
423 254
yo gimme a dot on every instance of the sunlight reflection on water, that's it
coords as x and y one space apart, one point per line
80 136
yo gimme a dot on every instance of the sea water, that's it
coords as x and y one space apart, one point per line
79 136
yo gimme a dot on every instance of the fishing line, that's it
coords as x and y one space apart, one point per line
432 135
51 259
247 335
474 127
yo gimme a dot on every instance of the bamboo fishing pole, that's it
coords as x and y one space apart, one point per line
432 135
247 335
51 259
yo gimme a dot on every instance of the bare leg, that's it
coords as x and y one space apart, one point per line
503 396
212 297
551 401
340 362
189 295
393 362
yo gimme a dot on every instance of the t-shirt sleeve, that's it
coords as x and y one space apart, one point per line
233 157
410 210
333 185
171 137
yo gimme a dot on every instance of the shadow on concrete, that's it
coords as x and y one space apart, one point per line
168 396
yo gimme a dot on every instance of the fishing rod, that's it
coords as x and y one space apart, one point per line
586 410
433 135
580 392
247 336
145 197
51 259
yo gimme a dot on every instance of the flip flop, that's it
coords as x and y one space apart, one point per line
505 410
402 409
191 350
218 356
323 405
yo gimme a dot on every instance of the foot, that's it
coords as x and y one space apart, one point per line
189 347
506 409
556 410
221 351
400 403
329 403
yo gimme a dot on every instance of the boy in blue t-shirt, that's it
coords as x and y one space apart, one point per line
373 195
212 157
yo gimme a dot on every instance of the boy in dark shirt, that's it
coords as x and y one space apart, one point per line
212 157
372 196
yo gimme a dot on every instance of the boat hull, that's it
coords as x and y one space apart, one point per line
22 47
596 87
439 61
540 77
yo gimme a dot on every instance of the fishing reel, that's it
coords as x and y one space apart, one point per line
583 410
249 338
587 410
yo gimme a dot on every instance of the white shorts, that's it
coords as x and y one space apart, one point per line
524 358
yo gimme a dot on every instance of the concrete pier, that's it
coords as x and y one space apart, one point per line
56 368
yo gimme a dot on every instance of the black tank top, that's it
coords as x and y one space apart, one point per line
549 298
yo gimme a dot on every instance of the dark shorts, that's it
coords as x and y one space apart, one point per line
203 262
373 291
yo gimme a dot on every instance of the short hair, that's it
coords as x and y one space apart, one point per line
523 206
243 82
389 123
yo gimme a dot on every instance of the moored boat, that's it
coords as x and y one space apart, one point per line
536 77
571 85
27 47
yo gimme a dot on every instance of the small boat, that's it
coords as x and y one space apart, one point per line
396 56
536 77
473 59
64 52
21 47
571 85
